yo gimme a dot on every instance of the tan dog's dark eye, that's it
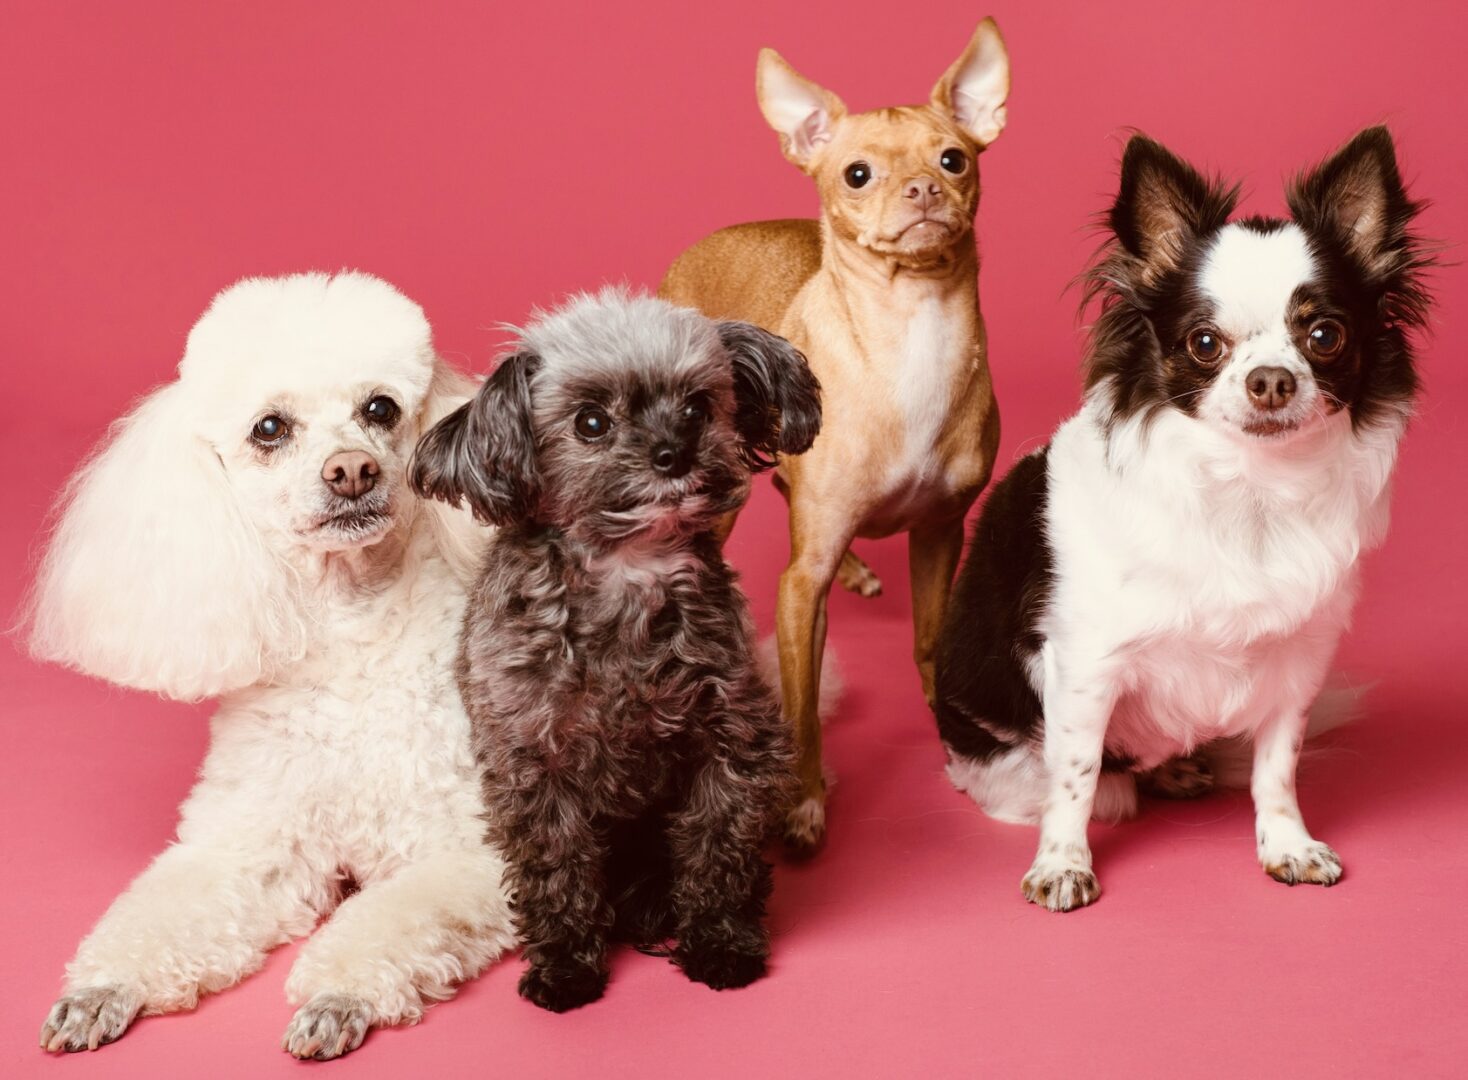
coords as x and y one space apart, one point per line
592 423
270 429
954 160
1327 339
1206 346
858 174
382 411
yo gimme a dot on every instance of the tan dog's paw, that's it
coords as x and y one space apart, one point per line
856 576
805 827
1314 864
1179 778
327 1026
90 1018
1059 885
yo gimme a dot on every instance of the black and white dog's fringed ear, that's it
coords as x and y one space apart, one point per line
483 453
778 400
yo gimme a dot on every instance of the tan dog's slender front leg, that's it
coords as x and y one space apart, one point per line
800 627
932 555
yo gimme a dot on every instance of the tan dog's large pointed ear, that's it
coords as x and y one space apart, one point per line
801 112
973 91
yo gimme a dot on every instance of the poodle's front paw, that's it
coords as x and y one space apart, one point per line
327 1026
721 967
1061 881
562 987
90 1018
1313 863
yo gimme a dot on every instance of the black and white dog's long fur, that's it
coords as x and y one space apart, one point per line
1179 563
634 760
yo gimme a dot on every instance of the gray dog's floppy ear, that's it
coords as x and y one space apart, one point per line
483 453
778 400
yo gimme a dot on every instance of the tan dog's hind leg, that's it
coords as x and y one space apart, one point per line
932 555
852 574
801 634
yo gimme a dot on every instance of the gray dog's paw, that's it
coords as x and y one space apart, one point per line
89 1018
327 1026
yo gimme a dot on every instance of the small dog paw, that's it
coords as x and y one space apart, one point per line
720 968
856 576
90 1018
1178 778
563 987
1314 864
805 828
327 1026
1059 886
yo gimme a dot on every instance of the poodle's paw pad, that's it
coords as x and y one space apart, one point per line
327 1026
90 1018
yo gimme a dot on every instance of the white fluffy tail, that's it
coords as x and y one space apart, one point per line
832 683
1232 760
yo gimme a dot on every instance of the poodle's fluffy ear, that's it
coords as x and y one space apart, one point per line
154 578
483 453
460 537
778 400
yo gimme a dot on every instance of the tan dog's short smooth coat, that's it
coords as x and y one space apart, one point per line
881 295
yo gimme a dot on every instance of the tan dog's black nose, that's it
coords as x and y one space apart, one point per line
1270 387
923 190
350 474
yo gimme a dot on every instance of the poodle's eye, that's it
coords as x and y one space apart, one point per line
1206 346
382 411
954 160
695 410
1327 339
858 174
592 422
270 430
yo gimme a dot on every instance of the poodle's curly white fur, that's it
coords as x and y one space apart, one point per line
200 554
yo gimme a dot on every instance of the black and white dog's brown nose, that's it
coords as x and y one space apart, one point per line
1270 387
350 474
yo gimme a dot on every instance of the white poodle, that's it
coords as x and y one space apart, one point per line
246 534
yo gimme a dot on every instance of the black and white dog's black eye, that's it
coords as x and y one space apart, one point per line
382 411
858 174
954 160
270 430
1205 346
592 422
1327 339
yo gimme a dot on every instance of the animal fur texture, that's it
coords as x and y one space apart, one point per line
246 534
634 759
1178 565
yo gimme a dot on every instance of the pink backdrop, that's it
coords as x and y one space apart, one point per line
487 157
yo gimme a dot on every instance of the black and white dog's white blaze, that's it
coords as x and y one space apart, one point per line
1177 566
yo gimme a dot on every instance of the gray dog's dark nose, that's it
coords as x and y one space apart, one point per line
350 474
670 459
1270 387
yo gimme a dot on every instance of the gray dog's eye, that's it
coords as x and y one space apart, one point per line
382 411
592 422
270 429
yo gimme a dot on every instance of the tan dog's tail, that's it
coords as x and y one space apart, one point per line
832 683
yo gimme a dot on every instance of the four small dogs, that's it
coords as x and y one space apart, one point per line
448 737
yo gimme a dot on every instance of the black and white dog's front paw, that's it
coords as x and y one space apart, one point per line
89 1018
1059 881
1313 863
327 1026
562 987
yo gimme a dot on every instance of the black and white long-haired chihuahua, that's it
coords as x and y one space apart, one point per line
634 760
1178 564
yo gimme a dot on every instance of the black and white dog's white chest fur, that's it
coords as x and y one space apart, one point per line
1178 565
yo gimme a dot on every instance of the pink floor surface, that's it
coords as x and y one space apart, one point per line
487 161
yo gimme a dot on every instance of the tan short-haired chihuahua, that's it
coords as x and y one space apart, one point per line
881 294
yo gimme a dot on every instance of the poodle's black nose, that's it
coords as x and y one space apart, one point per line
671 459
350 474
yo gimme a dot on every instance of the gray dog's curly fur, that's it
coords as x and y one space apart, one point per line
634 760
